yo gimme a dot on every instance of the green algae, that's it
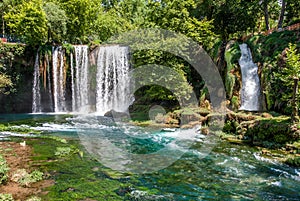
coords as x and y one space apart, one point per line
18 129
77 177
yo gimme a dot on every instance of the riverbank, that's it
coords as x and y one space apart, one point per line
19 184
272 133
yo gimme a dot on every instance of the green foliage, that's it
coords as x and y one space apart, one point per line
290 72
230 16
68 47
56 21
292 12
231 57
3 170
8 54
5 81
28 21
6 197
82 15
293 62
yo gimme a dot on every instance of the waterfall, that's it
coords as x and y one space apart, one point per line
80 79
112 79
250 81
36 90
100 79
50 95
59 85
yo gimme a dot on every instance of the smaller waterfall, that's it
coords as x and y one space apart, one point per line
36 91
250 81
80 79
113 91
59 85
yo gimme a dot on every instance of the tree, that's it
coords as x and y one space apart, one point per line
290 76
281 16
82 15
293 70
28 20
56 21
266 13
3 9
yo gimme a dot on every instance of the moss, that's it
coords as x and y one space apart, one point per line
274 130
3 170
77 177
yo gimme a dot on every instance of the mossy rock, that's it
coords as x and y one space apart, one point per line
293 161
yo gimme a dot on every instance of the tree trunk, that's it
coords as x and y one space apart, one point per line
266 12
294 100
3 28
281 17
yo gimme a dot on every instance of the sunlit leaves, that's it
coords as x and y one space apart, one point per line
28 21
56 21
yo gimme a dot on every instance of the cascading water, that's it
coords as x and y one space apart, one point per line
110 91
113 91
250 81
59 85
36 91
80 79
50 95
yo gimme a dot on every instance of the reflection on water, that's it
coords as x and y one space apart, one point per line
229 172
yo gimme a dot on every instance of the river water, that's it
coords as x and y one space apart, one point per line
227 172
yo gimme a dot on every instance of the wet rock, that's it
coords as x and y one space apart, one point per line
114 114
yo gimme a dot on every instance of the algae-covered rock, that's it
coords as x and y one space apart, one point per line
293 160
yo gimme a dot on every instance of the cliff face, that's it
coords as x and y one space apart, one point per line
16 61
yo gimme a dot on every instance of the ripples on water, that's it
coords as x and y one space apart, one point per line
229 172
